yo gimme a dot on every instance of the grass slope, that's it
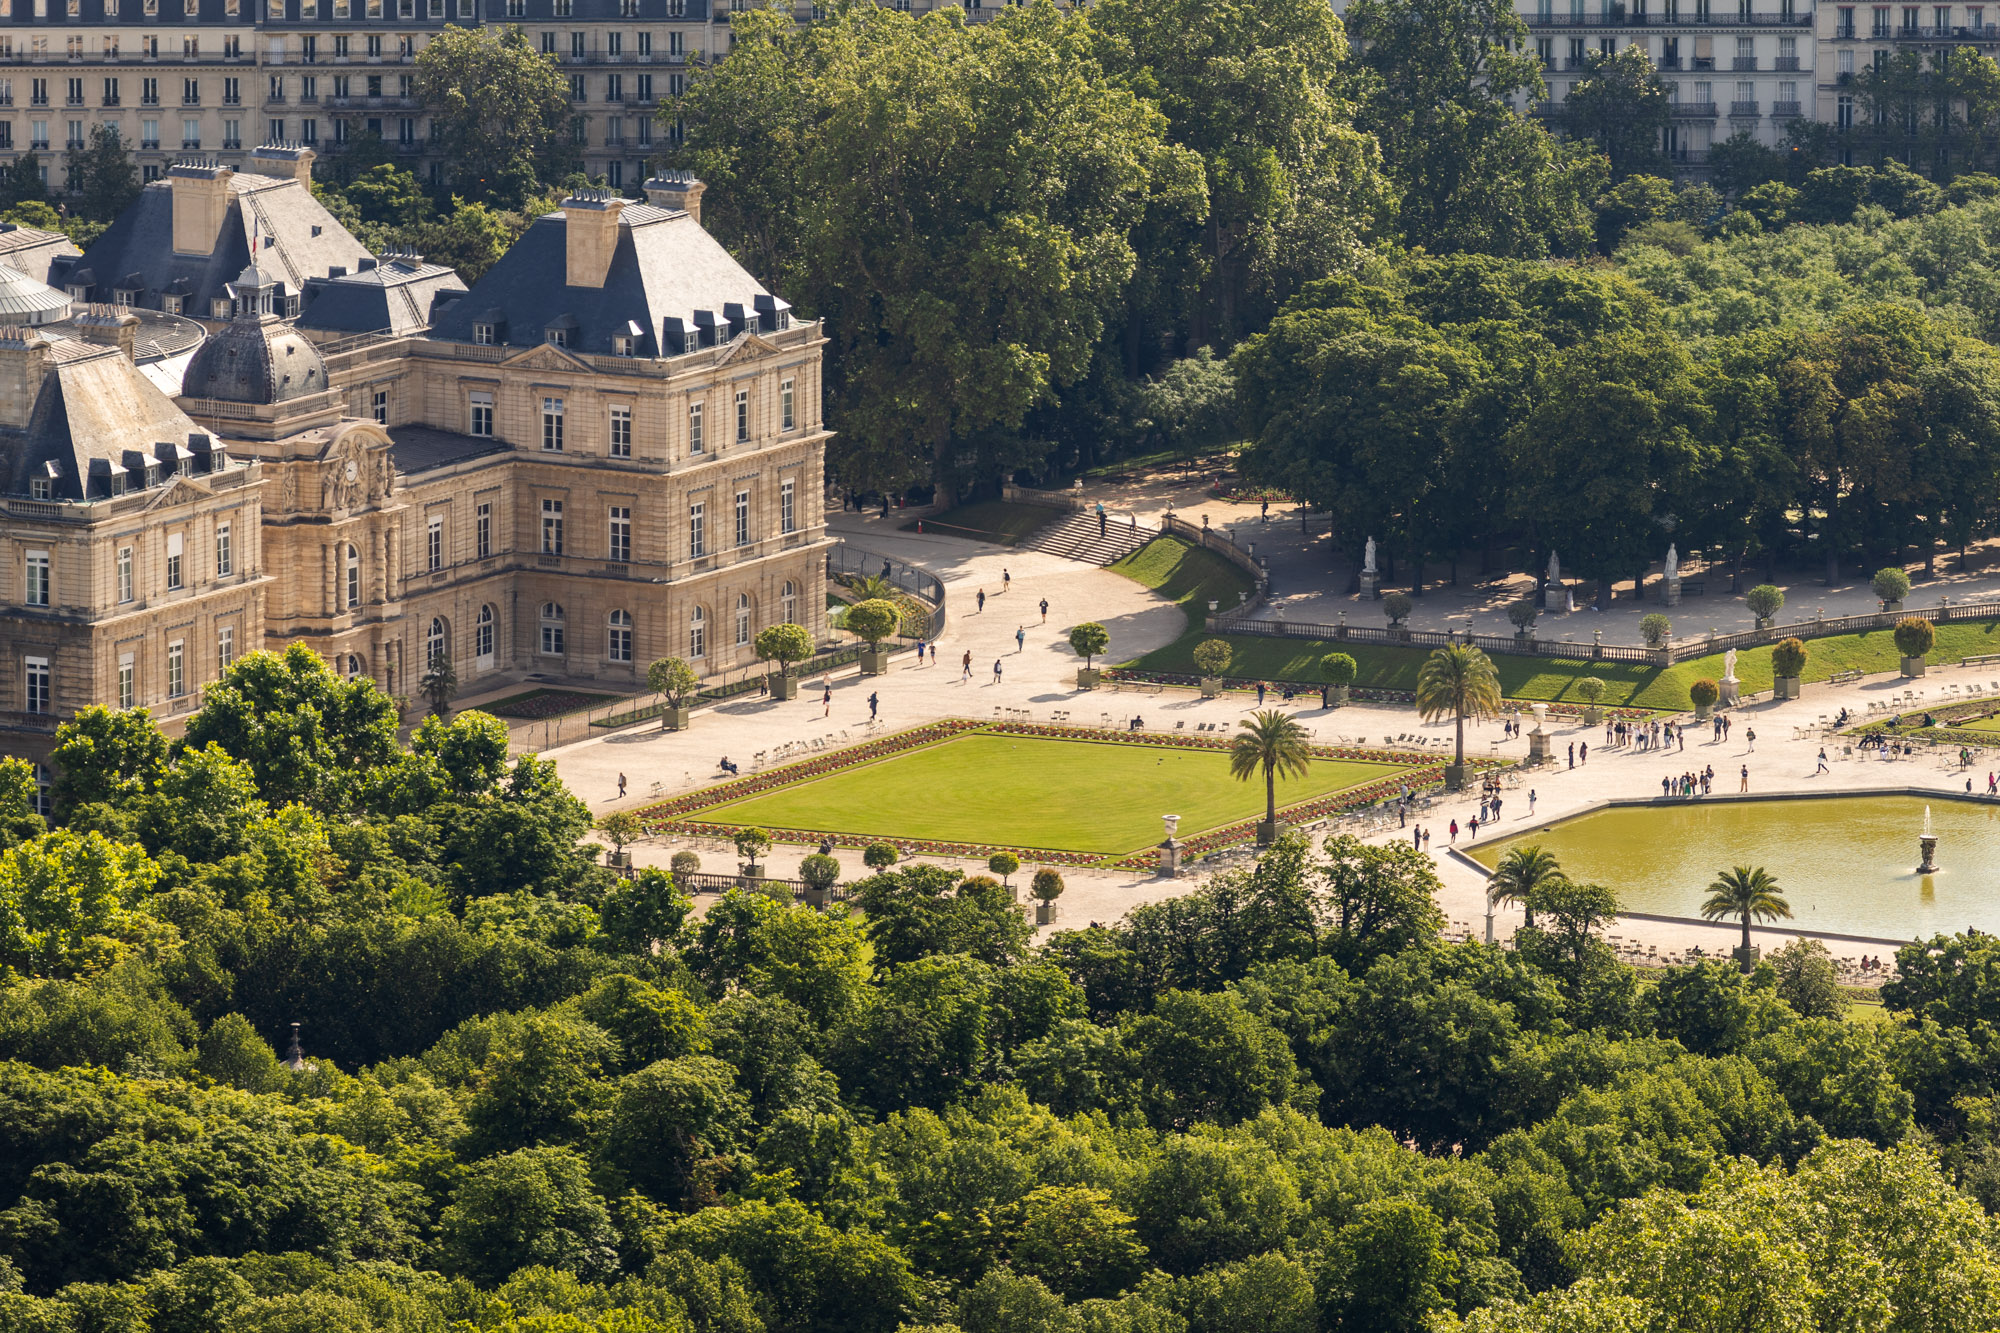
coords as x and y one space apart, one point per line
1025 792
1554 678
994 520
1187 575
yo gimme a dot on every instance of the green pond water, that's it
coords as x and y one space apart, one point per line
1845 864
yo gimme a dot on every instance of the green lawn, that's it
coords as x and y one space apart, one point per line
1186 574
1990 723
1028 792
991 520
1388 667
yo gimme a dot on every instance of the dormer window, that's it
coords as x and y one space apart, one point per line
482 334
220 308
693 340
79 292
124 298
623 346
41 488
171 304
558 337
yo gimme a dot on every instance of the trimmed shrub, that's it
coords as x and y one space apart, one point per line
1211 656
1655 628
1704 692
1765 600
1891 584
1788 657
880 855
1339 668
1915 636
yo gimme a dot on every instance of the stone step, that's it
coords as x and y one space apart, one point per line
1077 538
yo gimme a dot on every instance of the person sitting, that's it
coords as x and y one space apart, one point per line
1138 724
726 766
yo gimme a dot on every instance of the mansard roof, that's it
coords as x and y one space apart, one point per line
400 295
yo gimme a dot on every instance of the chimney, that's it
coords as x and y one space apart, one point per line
201 204
677 190
592 227
286 161
110 326
24 357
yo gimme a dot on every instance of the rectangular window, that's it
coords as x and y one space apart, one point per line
125 680
224 557
482 531
785 406
742 518
552 425
38 684
621 534
176 670
697 531
742 415
434 542
552 527
173 561
124 574
225 647
38 578
621 432
694 428
787 510
482 415
381 407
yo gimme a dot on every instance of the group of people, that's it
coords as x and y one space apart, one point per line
1645 736
1691 783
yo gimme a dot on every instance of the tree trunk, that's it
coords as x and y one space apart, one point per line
1604 594
1271 795
1461 737
1832 567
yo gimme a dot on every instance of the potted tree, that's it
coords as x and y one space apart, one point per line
1047 886
439 684
1590 689
1892 585
623 828
1765 602
1788 662
1915 637
1523 613
1745 892
880 855
1211 658
675 682
685 863
1703 693
1340 669
1397 606
873 621
752 843
785 645
1273 743
1004 864
1655 629
1087 641
821 873
1457 682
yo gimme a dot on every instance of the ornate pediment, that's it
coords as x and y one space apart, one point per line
748 347
545 356
179 491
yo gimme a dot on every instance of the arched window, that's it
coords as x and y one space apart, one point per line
698 634
436 642
552 629
351 667
482 639
618 637
353 562
742 619
790 601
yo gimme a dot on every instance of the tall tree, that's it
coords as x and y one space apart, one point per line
500 112
102 175
1620 104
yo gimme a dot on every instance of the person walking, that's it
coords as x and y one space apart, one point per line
1750 735
1822 764
1583 753
1020 638
1454 832
1103 522
1260 694
826 695
1006 579
965 664
1266 514
996 671
1572 754
1531 802
621 785
1045 610
874 702
982 599
1745 785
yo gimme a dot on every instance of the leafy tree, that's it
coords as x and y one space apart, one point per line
19 794
106 756
1765 601
1520 873
1088 640
67 904
1620 104
439 684
1211 656
1381 900
1458 682
386 195
1076 1240
233 1053
468 237
672 1128
499 110
650 1023
1191 405
785 645
648 907
1207 1058
1384 1269
22 184
534 1206
1632 202
1914 636
873 620
470 751
1745 892
1275 743
306 733
539 1083
102 175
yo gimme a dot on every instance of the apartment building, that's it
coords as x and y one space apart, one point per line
216 77
1853 37
608 450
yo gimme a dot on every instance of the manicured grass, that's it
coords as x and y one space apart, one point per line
1989 723
1387 667
992 520
1187 575
1032 792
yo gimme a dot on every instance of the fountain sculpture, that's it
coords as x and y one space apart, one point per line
1927 842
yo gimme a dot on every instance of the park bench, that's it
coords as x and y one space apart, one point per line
1847 677
1979 659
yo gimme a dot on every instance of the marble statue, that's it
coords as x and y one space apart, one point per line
1729 665
1673 562
1368 557
1555 569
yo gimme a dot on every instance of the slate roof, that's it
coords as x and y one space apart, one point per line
32 251
24 300
304 242
399 296
95 412
667 275
255 359
417 449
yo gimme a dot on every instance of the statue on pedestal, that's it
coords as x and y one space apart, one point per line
1368 557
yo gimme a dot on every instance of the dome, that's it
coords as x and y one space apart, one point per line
256 357
26 301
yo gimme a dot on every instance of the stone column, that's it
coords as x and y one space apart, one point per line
1538 739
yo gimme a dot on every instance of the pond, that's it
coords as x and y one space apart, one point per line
1846 864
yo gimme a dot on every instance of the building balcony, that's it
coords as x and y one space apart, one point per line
1669 63
1844 33
190 145
1804 20
1786 64
1785 111
1988 33
231 145
1692 110
149 145
1742 63
1740 110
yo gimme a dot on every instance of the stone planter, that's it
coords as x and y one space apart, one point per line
1087 677
1891 608
1211 687
1765 622
1703 712
618 860
1268 831
782 686
1913 667
1401 633
746 870
1523 635
1045 913
874 661
1340 693
1747 958
674 719
1454 777
818 898
1592 715
1785 687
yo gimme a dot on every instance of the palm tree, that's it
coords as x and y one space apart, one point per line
1745 892
1520 873
1272 741
1458 682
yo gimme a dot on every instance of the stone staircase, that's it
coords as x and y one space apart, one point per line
1076 538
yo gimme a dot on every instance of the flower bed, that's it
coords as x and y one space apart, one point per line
1909 725
535 705
682 814
1358 693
